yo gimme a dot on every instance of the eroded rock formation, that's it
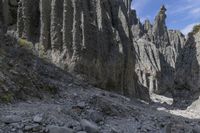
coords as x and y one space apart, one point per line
188 64
158 49
91 39
104 42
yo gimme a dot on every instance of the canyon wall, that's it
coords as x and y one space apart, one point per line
104 43
157 50
91 39
187 66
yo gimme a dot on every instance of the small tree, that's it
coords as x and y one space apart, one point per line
196 29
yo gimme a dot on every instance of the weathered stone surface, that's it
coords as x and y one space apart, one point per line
104 43
10 119
157 50
188 64
148 67
88 38
31 18
161 38
90 127
56 129
45 22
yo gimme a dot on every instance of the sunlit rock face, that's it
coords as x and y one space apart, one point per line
91 39
157 51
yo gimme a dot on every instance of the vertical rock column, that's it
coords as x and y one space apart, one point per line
1 11
68 27
160 33
56 24
45 21
20 25
26 12
77 29
5 12
89 28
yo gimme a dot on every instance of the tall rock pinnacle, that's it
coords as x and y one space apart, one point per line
160 18
160 30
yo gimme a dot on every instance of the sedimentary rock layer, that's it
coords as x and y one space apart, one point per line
90 38
103 42
158 49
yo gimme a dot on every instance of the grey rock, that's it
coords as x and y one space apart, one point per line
10 119
196 129
38 118
148 65
96 116
68 35
81 132
105 44
114 130
81 105
30 19
89 127
188 64
33 127
45 10
56 129
157 53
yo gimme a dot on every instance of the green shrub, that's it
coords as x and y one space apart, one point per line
196 29
25 43
7 97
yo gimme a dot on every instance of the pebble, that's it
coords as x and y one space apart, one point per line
38 118
81 105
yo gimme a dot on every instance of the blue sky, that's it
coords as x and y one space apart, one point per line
181 14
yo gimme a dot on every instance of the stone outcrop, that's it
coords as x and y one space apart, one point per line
148 67
188 64
91 39
158 49
8 11
161 38
103 42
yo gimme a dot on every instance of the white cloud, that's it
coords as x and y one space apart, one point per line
188 28
139 4
195 11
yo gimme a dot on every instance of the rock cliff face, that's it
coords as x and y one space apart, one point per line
8 11
157 51
103 42
188 64
91 38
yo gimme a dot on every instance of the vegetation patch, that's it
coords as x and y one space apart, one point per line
196 29
6 97
24 43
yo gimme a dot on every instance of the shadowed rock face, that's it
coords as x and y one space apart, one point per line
8 11
90 38
188 64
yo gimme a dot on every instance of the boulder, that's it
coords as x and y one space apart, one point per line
89 127
56 129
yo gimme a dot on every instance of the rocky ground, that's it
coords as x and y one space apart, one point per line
91 110
111 49
38 97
